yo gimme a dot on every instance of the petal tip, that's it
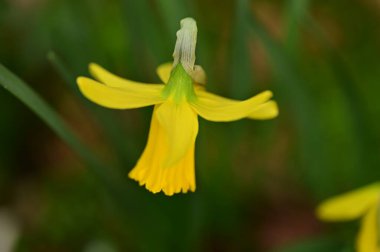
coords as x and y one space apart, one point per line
93 68
275 109
92 65
163 71
268 93
320 213
80 80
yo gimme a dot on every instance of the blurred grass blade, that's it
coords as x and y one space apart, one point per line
241 72
63 71
295 14
172 12
241 69
145 32
361 117
292 89
106 119
34 102
325 244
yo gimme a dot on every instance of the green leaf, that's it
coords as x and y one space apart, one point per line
325 244
35 103
172 12
292 89
146 33
363 131
241 69
106 119
295 14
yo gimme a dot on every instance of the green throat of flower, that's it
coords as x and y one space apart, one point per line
180 86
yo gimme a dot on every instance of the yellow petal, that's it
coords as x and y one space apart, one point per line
181 125
350 205
151 171
120 98
163 71
265 111
368 235
112 80
219 109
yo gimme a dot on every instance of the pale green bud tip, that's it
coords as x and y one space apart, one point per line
184 51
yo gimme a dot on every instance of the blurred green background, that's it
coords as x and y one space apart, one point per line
258 182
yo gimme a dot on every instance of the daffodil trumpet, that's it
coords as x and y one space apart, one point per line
167 162
364 204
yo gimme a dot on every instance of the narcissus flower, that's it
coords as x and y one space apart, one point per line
363 203
167 163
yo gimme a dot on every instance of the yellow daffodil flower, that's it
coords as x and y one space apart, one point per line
167 163
363 203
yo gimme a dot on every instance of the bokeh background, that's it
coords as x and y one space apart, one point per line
258 182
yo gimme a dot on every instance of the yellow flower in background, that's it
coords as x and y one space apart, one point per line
363 203
167 163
